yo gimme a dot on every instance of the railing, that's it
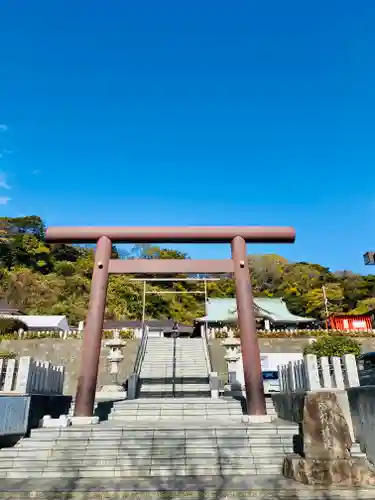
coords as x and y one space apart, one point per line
213 376
313 373
206 351
141 351
133 380
28 376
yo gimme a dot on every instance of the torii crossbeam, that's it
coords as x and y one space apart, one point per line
104 237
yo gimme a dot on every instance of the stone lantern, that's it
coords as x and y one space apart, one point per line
115 356
232 355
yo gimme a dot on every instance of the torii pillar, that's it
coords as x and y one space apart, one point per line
104 237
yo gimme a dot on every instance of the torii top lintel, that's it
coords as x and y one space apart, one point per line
185 234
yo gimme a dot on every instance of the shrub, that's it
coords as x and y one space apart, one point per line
333 346
221 335
124 334
10 325
127 334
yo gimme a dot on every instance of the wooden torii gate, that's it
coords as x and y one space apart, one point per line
104 237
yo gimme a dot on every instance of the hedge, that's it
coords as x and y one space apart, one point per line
7 355
281 334
32 335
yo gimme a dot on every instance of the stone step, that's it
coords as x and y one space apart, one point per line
188 402
183 434
175 404
170 394
257 454
174 385
177 411
159 440
168 430
126 471
134 449
256 448
173 430
141 461
213 447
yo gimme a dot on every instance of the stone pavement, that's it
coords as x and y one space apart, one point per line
195 488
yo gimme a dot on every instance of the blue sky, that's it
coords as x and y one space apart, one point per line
191 112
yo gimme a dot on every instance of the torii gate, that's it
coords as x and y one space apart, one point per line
104 237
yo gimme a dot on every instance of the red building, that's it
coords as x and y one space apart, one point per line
351 323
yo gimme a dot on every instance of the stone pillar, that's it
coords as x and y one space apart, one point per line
252 369
92 336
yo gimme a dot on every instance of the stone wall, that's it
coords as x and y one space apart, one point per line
68 353
217 351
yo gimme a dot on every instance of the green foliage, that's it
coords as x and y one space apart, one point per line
124 334
7 355
10 325
41 278
282 334
333 346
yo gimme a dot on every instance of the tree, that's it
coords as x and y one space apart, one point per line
364 306
355 288
315 303
266 272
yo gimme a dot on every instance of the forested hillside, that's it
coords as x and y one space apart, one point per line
40 278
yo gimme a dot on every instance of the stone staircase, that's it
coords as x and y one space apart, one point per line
174 368
187 410
138 450
174 429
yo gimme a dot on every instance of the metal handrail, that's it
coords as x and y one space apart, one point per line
141 351
207 351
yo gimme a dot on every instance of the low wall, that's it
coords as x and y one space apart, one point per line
362 408
19 414
68 353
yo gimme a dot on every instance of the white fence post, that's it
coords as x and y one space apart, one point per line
299 375
24 374
325 372
33 376
280 372
291 376
312 372
350 370
1 370
9 375
46 377
337 372
61 369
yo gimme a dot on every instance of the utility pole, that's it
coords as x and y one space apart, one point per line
205 306
325 305
144 304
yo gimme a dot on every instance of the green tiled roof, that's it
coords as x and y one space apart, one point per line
274 309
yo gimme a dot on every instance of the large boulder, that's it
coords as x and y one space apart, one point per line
326 457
